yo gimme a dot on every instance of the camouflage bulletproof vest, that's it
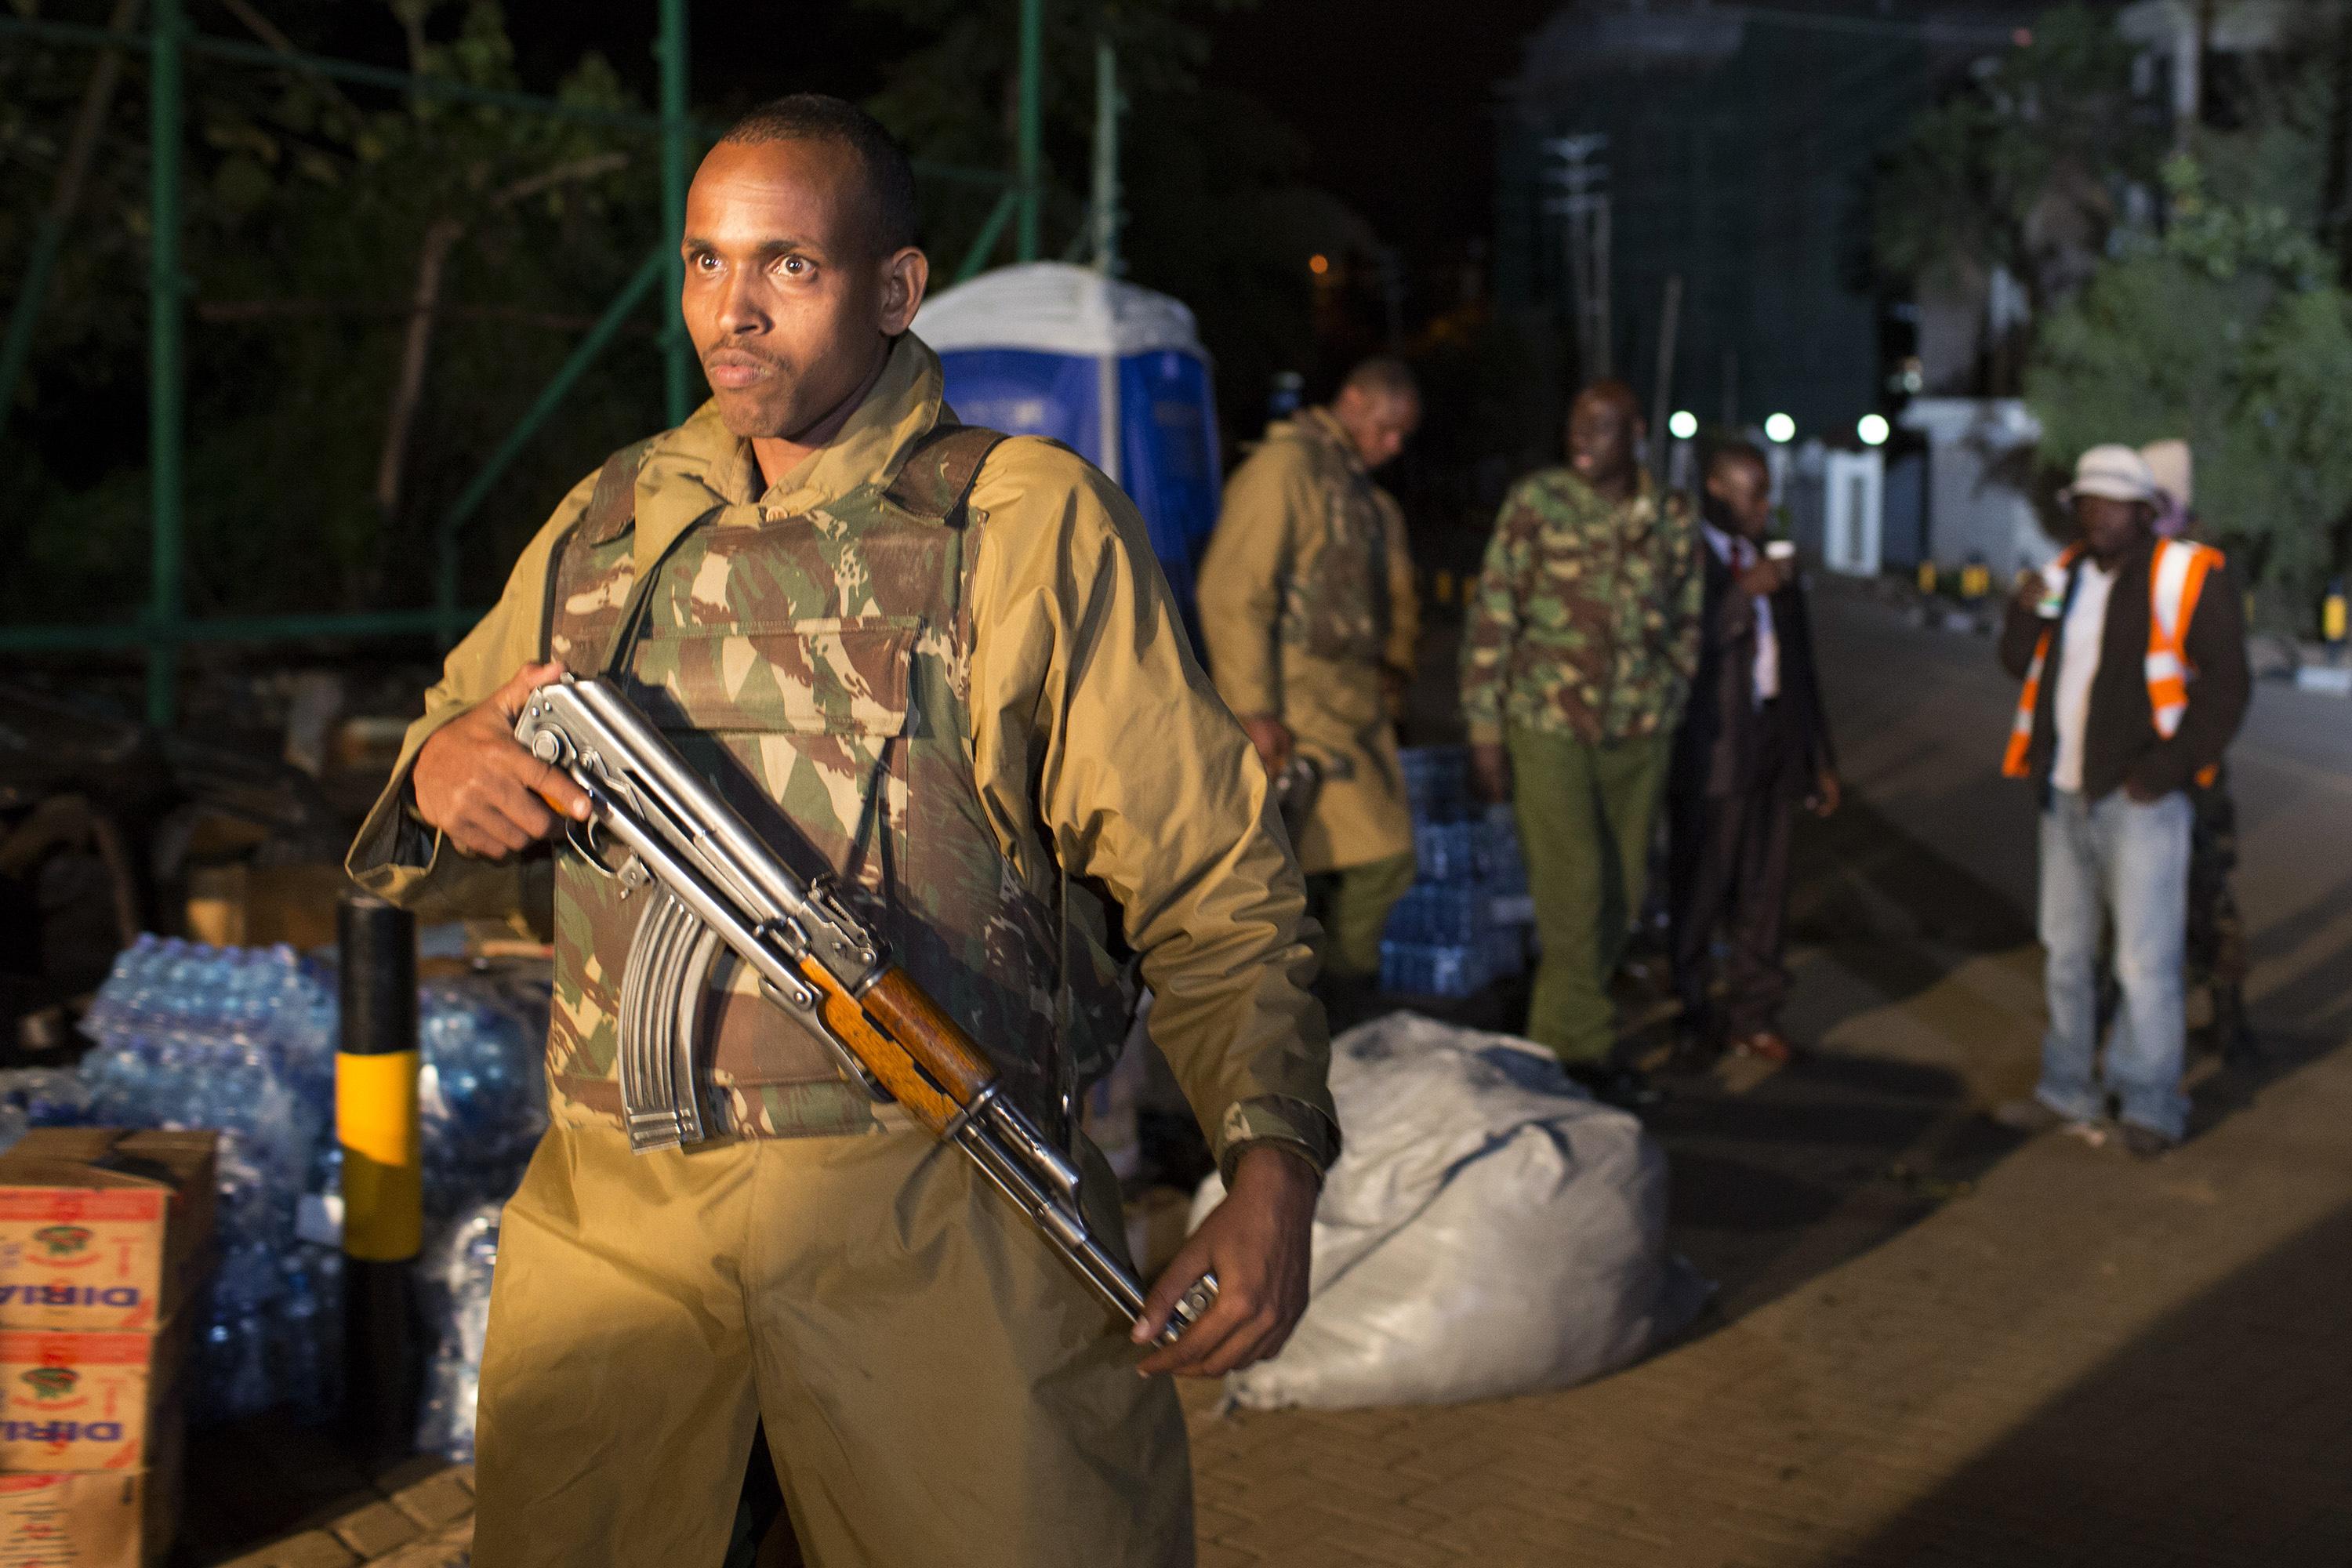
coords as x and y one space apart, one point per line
816 669
1335 599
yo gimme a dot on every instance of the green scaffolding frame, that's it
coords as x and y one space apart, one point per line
167 42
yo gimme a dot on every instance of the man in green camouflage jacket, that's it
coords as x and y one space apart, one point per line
1580 644
941 666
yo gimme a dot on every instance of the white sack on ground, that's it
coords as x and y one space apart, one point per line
1489 1230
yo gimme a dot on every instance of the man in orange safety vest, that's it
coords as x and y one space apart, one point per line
2132 653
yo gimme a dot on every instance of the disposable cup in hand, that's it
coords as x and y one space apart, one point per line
1779 550
2053 591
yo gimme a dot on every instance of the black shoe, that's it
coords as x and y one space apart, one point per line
1624 1088
1694 1051
1698 1040
2147 1142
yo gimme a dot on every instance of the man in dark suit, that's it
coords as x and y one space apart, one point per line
1754 746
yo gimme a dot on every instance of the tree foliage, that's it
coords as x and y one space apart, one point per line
2022 169
308 212
2228 331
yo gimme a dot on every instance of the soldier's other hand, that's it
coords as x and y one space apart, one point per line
1827 793
1256 1243
1490 770
1271 736
480 788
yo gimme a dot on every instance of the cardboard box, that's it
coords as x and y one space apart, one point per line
238 905
87 1401
65 1520
101 1230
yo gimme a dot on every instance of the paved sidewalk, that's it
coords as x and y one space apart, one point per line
418 1515
2085 1361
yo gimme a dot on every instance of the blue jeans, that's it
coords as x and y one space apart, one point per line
2129 862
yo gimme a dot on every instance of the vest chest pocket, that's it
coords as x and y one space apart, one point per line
799 725
848 678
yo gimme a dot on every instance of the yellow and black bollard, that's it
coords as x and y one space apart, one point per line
384 1191
2331 617
1928 577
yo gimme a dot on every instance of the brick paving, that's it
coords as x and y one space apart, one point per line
2080 1361
419 1516
2084 1361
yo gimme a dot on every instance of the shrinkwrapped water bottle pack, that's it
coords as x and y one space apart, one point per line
1463 924
456 1281
243 1040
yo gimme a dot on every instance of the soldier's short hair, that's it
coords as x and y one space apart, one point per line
815 117
1383 375
1610 390
1722 454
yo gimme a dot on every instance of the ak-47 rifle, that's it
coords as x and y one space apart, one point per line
709 881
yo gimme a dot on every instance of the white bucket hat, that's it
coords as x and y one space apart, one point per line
2117 472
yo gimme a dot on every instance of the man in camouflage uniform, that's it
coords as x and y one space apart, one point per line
1581 641
1307 603
943 668
2217 931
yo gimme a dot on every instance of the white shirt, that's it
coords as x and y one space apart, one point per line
1738 555
2078 664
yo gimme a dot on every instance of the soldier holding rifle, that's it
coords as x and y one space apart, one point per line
942 667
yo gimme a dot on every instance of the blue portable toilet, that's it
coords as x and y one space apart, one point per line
1113 371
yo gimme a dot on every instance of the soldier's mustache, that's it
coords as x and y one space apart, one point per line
731 357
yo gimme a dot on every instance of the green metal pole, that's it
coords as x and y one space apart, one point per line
166 405
677 170
1030 180
632 295
1106 197
984 242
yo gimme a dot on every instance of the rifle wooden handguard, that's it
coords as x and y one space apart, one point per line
918 1052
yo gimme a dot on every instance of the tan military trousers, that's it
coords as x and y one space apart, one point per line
937 1388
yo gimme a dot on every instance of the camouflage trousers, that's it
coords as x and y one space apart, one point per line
2217 932
935 1386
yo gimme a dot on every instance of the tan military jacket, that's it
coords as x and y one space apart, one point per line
1306 597
1098 744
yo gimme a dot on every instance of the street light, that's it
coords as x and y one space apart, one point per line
1873 429
1684 425
1781 429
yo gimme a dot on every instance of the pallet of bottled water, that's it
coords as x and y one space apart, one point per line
1463 925
242 1041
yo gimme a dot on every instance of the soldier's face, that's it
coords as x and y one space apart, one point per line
1601 437
1378 423
789 299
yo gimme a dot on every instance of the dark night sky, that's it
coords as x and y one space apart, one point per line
1394 98
1393 103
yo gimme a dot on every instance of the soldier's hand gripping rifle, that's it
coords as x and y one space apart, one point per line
709 881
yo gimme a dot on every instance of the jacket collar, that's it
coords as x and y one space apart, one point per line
1319 424
1642 506
702 467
